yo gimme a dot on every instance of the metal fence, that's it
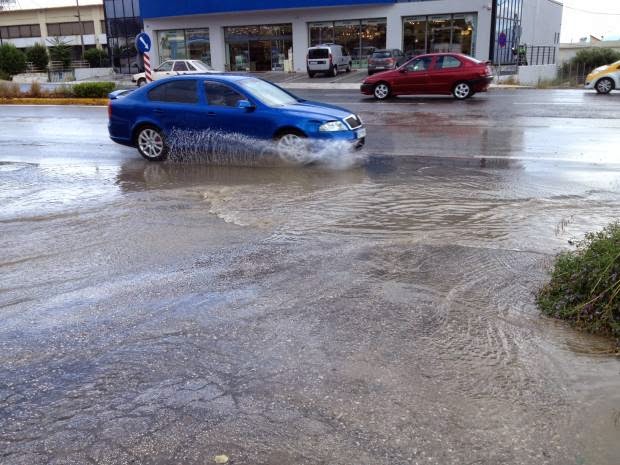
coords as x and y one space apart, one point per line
538 55
570 74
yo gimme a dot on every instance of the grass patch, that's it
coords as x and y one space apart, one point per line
585 284
93 89
53 101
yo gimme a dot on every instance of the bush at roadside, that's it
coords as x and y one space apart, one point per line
9 90
95 57
585 284
12 60
37 55
93 89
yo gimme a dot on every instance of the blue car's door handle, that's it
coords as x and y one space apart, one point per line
158 110
211 113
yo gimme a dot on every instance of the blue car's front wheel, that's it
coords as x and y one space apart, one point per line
151 143
292 147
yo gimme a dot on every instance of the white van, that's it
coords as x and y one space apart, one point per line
329 59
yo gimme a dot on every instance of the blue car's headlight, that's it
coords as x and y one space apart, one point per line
332 126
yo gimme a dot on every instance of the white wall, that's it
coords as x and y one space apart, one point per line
300 18
531 75
541 21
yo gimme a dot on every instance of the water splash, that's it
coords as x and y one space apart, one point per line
225 148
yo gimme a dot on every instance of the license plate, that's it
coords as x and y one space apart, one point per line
379 67
321 62
360 133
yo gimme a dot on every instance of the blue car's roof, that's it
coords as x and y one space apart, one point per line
222 77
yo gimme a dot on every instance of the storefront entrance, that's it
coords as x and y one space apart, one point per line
259 48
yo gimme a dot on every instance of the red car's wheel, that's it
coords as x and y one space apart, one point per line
382 91
462 90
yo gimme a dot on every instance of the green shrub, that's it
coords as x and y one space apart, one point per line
585 284
93 89
37 55
12 60
4 76
60 51
9 90
95 57
589 59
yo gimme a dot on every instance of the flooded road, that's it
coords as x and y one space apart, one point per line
379 314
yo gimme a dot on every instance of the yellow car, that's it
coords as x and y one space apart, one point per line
605 78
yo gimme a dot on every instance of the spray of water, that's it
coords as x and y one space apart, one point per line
224 148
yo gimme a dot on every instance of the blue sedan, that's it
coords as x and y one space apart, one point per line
146 117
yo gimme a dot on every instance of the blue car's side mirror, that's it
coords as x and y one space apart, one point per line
245 104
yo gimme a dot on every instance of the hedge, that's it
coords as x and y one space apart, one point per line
93 89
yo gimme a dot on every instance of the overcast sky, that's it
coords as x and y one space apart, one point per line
581 17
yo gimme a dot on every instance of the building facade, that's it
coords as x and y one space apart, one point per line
123 24
24 27
271 35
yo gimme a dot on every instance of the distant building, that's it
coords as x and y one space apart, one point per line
123 25
268 35
568 51
23 27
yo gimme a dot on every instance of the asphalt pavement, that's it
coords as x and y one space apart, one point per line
368 309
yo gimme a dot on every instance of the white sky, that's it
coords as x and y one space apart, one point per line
581 17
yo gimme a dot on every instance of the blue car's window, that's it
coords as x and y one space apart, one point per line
267 93
221 95
184 91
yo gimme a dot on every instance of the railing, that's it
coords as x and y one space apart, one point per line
537 55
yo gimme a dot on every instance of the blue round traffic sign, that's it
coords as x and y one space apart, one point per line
502 39
143 42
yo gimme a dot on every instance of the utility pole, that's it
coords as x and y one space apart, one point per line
77 2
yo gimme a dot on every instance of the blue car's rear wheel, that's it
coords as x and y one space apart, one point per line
292 147
151 143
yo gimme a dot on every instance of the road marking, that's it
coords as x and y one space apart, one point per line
549 103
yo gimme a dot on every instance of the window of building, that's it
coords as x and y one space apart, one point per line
175 92
360 37
440 33
258 48
172 45
198 45
103 27
123 23
21 31
70 29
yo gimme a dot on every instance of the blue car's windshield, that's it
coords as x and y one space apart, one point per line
267 93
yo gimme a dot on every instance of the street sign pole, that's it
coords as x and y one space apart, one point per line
143 44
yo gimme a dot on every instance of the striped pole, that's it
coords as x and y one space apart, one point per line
147 67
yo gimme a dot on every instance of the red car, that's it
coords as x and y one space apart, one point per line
436 73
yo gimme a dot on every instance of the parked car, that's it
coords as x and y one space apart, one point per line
144 118
382 60
435 73
604 79
329 59
172 68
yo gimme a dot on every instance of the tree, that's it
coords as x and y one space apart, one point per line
591 58
95 57
60 51
37 55
12 60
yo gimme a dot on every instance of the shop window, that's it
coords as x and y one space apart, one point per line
440 33
321 33
172 45
198 45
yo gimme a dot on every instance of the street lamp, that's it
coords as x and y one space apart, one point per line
77 3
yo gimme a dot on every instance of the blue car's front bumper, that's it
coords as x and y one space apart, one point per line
356 137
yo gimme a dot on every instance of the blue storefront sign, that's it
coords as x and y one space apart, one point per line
163 8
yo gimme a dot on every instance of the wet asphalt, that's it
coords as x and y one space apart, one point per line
379 311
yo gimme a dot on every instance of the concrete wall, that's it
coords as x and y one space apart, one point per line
299 19
531 75
84 74
541 22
